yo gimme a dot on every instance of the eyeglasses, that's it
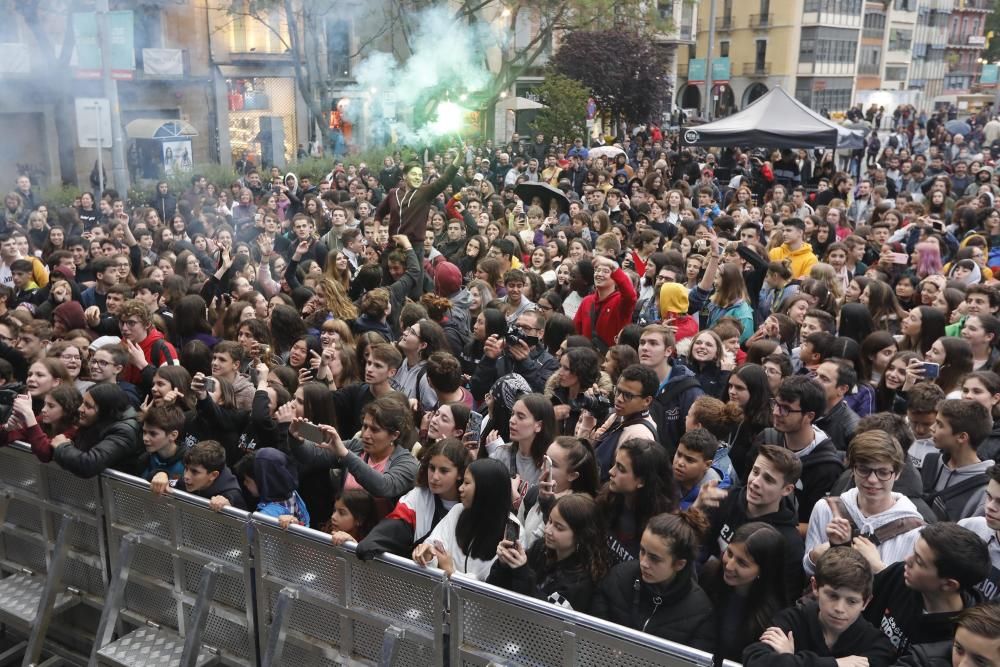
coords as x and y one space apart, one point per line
782 409
772 371
70 357
627 395
100 363
129 323
881 474
544 307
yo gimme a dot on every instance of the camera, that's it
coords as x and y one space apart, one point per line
515 335
599 406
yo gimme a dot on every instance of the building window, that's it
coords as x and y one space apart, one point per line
724 49
895 73
338 49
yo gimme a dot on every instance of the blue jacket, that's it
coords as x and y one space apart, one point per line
173 466
277 509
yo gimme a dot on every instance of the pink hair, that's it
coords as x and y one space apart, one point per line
928 259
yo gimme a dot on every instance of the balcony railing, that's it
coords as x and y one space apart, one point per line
869 69
761 20
724 23
756 69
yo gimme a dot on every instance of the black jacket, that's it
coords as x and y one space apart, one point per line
238 431
820 470
683 615
566 583
225 485
839 424
899 611
860 639
115 445
732 514
536 370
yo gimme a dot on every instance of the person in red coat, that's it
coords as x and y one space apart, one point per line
606 311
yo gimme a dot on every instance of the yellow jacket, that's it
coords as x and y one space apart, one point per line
802 259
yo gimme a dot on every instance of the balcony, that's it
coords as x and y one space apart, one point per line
724 23
756 69
761 21
869 69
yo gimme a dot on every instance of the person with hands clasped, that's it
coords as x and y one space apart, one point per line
870 517
466 540
57 417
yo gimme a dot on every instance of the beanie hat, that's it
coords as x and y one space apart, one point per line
673 299
447 278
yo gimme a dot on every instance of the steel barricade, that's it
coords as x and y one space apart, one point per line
319 605
180 535
491 626
41 501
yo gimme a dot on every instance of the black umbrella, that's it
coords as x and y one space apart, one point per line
545 192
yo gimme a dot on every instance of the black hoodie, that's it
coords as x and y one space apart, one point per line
732 514
860 639
566 583
678 611
899 611
225 485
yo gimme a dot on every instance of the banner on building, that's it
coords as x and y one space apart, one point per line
990 75
86 60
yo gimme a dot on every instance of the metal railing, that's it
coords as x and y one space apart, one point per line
235 589
756 69
761 20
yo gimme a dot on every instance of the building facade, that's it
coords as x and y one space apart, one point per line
966 42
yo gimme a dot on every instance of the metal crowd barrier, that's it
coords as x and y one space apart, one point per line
234 589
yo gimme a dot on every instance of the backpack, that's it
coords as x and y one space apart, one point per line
939 501
883 533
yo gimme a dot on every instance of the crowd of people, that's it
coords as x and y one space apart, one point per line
750 416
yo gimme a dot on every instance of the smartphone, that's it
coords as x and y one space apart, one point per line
309 431
512 531
209 385
546 464
900 258
931 370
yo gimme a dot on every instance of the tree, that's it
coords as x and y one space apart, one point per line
992 52
513 50
626 72
565 103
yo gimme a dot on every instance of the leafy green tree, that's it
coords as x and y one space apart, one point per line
565 109
626 72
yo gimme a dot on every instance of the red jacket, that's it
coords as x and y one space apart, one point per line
165 354
613 313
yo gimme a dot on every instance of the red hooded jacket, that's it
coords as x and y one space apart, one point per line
158 353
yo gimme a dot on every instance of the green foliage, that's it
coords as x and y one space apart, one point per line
218 174
60 196
565 101
625 71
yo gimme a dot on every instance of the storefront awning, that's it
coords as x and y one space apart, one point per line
519 104
157 128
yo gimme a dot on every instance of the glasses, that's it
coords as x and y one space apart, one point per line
782 409
881 474
773 372
70 357
544 307
627 395
100 363
129 323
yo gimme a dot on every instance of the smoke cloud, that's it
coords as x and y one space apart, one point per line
448 62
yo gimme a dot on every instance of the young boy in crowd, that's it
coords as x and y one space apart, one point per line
988 529
270 477
205 475
227 358
106 364
21 271
954 479
693 465
921 411
766 497
916 601
831 626
161 427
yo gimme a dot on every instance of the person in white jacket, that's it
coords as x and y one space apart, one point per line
466 539
871 518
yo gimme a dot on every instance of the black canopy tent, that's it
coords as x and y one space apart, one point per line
776 120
